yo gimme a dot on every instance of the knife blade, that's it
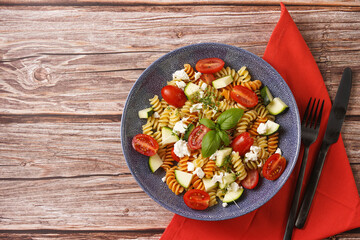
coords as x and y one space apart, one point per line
335 121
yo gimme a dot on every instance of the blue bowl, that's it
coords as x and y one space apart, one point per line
150 83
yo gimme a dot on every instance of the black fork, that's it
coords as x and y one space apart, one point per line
309 132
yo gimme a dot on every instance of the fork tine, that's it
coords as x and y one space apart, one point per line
317 125
306 112
313 120
308 123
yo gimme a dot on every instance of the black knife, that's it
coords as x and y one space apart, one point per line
336 119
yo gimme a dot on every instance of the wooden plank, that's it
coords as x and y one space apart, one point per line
95 203
182 2
60 149
356 172
55 149
140 235
351 137
73 67
106 203
120 235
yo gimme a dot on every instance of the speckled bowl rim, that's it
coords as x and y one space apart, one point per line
256 205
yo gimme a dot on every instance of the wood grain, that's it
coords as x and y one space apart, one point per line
98 235
77 68
91 203
61 149
65 71
81 167
118 235
112 235
54 149
182 2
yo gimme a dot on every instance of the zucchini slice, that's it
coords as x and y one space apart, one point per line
222 82
276 106
155 162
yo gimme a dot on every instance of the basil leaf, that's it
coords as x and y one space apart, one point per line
230 118
210 143
207 122
224 137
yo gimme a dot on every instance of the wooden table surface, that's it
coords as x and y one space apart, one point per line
66 68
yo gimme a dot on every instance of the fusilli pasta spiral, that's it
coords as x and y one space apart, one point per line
244 75
156 104
245 121
189 71
209 168
238 166
252 85
171 181
273 142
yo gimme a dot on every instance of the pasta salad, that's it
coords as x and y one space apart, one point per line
213 132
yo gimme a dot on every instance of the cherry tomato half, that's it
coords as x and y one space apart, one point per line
244 96
209 65
242 143
251 179
197 199
173 95
145 144
196 136
174 156
207 77
274 167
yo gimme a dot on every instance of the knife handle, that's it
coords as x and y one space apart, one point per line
311 187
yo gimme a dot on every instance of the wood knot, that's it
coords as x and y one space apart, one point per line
179 34
41 74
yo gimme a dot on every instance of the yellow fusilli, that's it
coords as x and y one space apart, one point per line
238 166
244 75
156 104
245 121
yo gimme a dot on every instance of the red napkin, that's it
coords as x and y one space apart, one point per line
336 205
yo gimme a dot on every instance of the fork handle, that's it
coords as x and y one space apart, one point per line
296 197
312 185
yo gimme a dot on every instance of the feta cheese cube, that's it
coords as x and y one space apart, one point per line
180 75
180 127
199 172
233 187
181 149
262 128
180 84
196 107
252 155
190 166
197 75
156 115
203 86
217 178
